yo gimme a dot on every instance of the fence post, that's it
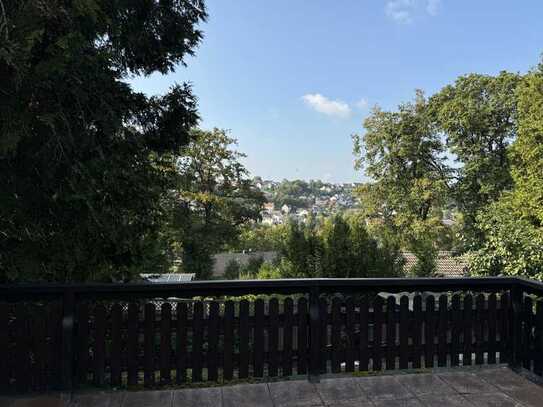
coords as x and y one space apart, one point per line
67 354
516 326
314 335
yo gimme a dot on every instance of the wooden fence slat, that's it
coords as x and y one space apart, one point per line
538 358
456 330
443 330
527 333
39 345
377 354
404 332
286 363
22 356
132 345
391 333
228 344
213 335
492 324
4 348
181 345
82 337
116 347
467 331
244 339
99 354
54 326
273 338
417 331
429 332
325 318
149 345
350 351
364 329
479 329
197 341
302 332
165 343
336 335
504 328
213 342
258 355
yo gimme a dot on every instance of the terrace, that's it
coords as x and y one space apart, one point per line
366 342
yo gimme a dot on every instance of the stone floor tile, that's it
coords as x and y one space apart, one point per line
294 393
40 401
98 399
383 388
530 395
492 400
206 397
420 384
6 401
464 382
247 395
448 400
398 403
335 390
504 378
148 398
351 403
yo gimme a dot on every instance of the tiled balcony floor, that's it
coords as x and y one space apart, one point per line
493 387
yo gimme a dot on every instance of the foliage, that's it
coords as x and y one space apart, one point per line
214 199
253 266
513 226
478 117
232 270
84 160
339 248
403 155
513 246
258 237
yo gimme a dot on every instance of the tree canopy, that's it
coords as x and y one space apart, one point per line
402 153
82 170
214 198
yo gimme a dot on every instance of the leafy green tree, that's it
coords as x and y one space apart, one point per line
259 237
403 155
478 117
513 226
336 237
83 158
253 266
232 270
214 199
372 256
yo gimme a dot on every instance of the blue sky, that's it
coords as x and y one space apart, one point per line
293 79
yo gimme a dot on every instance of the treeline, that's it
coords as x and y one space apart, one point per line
475 146
333 247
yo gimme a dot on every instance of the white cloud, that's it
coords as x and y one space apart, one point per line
404 11
400 11
322 104
362 104
432 7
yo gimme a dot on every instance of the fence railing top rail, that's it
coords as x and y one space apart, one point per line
244 287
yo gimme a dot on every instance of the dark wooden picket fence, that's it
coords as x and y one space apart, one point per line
61 337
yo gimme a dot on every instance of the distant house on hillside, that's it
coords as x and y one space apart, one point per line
447 265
